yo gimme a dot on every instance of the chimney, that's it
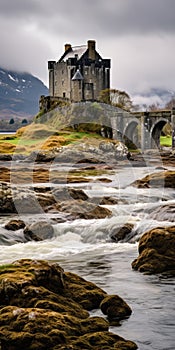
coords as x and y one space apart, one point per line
67 47
91 49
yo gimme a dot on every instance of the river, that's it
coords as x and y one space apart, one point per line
85 247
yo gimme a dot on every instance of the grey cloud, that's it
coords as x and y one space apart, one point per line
114 17
17 8
128 31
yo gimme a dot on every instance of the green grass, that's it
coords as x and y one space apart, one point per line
166 141
22 141
32 142
5 267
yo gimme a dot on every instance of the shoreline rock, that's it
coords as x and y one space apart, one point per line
157 252
44 307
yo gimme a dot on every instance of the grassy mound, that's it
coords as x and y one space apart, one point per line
43 137
35 131
6 147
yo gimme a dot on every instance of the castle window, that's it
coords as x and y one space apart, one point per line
93 70
63 71
64 94
88 86
62 82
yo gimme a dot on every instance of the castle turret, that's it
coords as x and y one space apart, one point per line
77 87
51 66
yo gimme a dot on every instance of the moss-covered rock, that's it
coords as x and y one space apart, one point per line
43 307
160 179
115 307
85 293
157 251
15 224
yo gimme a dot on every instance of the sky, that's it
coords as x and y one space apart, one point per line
138 36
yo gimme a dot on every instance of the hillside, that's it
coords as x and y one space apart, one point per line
19 94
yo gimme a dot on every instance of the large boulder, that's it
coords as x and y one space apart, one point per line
115 307
13 200
39 231
160 179
84 210
25 200
62 194
43 307
116 149
157 251
86 152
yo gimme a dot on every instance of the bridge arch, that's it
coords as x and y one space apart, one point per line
131 132
155 131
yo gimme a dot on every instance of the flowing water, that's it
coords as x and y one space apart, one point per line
85 247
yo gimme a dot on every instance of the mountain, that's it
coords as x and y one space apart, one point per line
153 96
19 94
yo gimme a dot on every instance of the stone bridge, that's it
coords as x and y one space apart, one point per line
143 129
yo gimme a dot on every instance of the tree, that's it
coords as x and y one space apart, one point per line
154 107
116 98
170 104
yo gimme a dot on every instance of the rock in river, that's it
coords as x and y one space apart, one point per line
15 225
160 179
157 251
122 233
38 231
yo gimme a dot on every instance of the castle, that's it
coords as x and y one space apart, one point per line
79 75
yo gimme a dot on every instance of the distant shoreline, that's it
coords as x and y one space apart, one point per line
7 132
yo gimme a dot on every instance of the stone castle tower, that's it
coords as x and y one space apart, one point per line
80 74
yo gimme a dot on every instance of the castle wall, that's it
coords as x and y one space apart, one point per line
62 80
76 90
95 79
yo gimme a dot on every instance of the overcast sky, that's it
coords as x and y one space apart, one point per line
138 36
